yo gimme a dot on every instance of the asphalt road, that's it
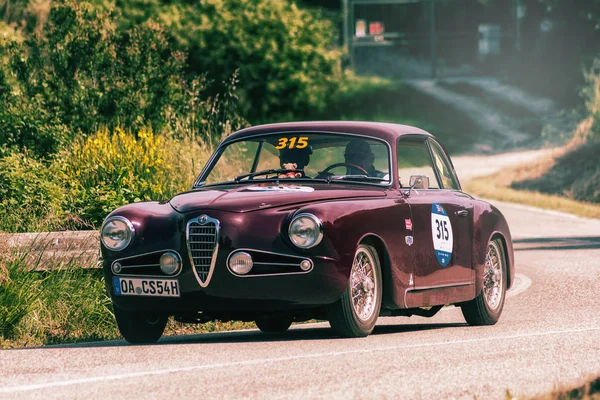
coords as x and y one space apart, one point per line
548 335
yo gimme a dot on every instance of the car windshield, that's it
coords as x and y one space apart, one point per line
301 156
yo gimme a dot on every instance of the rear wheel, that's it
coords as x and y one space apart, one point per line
486 308
356 313
274 323
140 327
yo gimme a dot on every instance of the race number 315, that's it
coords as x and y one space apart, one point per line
441 233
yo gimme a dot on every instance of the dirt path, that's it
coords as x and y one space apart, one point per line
515 118
501 109
473 166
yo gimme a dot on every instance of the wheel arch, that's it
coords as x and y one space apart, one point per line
386 266
507 259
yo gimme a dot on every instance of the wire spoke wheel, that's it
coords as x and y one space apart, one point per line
485 309
493 276
363 285
356 313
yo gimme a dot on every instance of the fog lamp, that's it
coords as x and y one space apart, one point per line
170 263
240 263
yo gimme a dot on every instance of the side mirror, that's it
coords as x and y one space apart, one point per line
419 182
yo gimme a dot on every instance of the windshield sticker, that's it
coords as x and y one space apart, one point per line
292 143
441 232
282 188
408 224
409 240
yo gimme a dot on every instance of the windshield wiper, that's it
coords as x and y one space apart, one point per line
355 178
265 172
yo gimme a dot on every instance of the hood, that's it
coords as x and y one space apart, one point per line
261 196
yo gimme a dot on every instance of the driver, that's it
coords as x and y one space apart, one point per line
359 152
294 159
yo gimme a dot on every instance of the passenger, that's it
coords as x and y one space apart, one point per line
359 152
294 159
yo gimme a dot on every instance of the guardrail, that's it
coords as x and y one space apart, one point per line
49 250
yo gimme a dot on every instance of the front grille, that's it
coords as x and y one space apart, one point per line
203 239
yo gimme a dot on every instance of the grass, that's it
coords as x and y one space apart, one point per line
67 304
497 187
588 391
385 100
568 181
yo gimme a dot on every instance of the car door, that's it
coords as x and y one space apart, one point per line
441 216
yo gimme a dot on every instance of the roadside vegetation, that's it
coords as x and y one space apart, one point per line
588 391
569 180
44 304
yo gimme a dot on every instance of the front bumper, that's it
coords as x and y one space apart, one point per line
225 291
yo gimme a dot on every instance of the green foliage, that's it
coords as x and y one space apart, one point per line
30 196
108 170
18 292
84 72
286 56
591 94
74 306
28 124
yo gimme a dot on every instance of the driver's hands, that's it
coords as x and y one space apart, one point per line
324 175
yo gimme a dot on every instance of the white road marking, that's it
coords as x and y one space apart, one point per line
522 283
264 361
541 210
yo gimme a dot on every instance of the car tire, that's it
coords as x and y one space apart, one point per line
140 327
274 323
485 309
356 313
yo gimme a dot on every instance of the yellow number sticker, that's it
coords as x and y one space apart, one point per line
292 143
282 143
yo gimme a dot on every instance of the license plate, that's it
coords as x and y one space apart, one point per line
145 287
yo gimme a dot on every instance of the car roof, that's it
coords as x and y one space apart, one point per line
381 130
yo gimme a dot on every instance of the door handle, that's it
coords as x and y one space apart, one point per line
462 213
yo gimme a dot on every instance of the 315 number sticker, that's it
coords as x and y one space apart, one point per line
441 232
292 143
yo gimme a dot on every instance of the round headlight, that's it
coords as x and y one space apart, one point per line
170 263
306 231
241 262
116 233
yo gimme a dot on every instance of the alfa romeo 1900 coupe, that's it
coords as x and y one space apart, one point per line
341 221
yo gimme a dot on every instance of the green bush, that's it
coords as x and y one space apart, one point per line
591 93
84 72
289 66
110 169
31 196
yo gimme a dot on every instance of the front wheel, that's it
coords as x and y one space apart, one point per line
356 313
485 309
140 327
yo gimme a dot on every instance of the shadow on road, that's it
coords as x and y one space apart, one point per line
557 243
299 334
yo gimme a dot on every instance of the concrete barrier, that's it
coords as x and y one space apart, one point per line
50 250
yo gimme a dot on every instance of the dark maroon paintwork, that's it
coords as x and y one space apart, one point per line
350 214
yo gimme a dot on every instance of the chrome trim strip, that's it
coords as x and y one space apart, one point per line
148 265
433 287
312 264
203 220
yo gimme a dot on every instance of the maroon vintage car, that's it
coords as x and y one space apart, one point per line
342 221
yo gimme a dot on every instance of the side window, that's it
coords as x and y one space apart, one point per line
443 167
414 159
